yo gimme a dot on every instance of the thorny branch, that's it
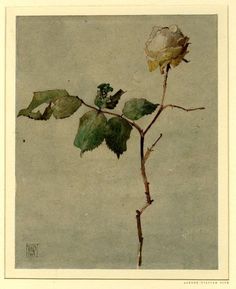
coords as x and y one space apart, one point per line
144 158
143 172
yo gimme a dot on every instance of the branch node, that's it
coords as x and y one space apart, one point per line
151 149
138 213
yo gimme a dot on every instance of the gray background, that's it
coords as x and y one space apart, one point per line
81 211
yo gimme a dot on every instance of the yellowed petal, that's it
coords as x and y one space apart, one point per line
175 51
176 61
163 66
166 45
152 65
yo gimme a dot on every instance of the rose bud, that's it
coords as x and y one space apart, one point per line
166 46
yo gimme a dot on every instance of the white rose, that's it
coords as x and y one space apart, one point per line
166 46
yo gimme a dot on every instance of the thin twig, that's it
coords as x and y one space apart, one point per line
182 108
149 150
134 124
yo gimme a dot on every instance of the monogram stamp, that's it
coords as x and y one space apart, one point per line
32 249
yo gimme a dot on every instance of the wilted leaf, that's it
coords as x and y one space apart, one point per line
136 108
102 92
34 115
105 88
118 132
114 99
37 115
104 100
100 101
41 97
47 112
66 106
46 96
91 132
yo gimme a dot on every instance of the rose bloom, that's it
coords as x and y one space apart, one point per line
165 46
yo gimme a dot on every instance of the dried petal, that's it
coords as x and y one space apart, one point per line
165 46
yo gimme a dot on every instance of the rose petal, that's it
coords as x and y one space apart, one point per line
166 45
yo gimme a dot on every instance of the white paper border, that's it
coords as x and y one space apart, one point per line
222 272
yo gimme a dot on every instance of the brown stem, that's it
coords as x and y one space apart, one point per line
165 84
143 170
161 107
134 124
140 238
148 201
145 156
149 150
182 108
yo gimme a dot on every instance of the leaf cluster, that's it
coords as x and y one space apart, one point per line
94 127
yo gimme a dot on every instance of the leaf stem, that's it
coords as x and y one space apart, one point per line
134 124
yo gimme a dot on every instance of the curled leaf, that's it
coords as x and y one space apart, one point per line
60 104
104 100
66 106
113 100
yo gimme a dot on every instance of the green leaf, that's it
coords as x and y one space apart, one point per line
47 112
37 115
103 100
34 115
66 106
105 88
102 92
41 97
91 132
114 99
100 101
118 132
46 96
136 108
63 106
